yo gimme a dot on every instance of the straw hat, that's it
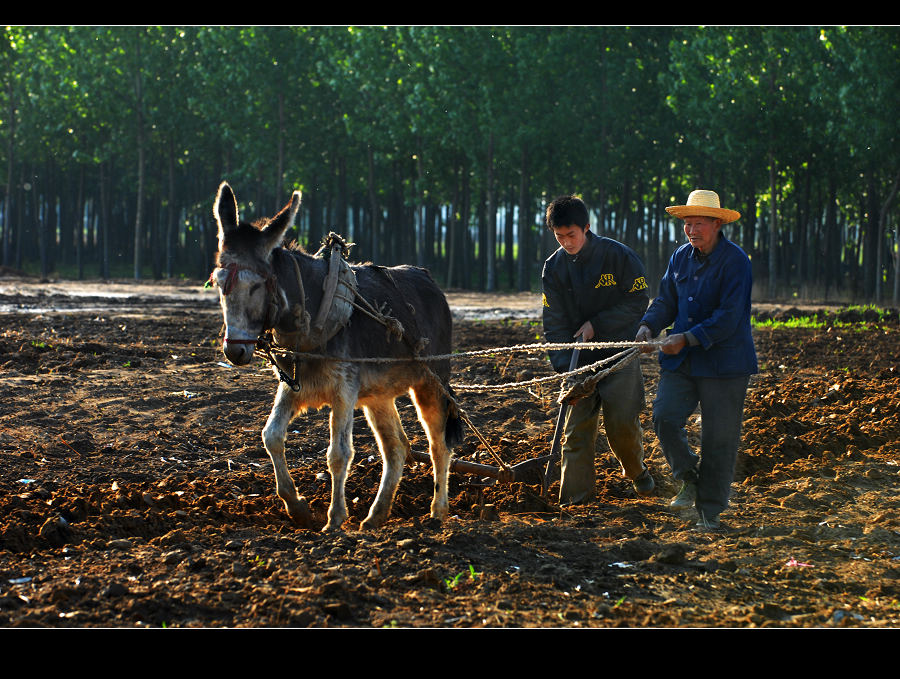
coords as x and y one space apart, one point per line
704 204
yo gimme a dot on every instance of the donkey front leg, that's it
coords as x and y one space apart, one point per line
273 436
384 420
340 457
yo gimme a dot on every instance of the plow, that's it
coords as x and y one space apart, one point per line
576 384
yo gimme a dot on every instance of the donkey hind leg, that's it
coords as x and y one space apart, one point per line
432 408
340 457
384 420
273 435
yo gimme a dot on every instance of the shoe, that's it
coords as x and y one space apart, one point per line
644 484
708 522
686 497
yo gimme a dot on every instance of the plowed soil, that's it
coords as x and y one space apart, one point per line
135 491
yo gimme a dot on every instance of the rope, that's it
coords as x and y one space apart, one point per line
481 388
537 348
631 348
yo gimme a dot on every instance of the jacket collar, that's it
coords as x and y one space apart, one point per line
712 256
586 251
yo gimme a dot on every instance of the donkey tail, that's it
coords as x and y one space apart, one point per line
453 430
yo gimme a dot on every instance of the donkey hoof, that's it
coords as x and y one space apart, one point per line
334 523
299 512
372 523
440 514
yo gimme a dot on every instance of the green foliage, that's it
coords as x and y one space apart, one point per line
827 319
402 137
801 322
452 583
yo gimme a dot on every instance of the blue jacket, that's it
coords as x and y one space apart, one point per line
708 297
605 284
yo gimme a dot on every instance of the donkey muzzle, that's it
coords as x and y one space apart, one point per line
239 351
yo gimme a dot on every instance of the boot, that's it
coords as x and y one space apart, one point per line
686 497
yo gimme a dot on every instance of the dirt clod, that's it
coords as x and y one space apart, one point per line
136 492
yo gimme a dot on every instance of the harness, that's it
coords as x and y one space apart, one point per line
338 301
339 291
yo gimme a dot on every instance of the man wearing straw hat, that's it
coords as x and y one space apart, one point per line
595 288
707 357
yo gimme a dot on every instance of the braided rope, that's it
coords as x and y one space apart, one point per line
537 348
508 386
482 388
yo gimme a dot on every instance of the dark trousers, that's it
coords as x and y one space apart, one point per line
620 397
721 401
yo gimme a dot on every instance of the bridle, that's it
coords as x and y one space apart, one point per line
262 343
271 291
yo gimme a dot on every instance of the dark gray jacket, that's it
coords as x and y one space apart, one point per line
605 284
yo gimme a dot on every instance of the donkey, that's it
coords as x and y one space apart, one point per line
264 286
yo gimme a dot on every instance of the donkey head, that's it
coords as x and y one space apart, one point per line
248 290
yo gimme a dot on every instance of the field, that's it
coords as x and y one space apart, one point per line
136 492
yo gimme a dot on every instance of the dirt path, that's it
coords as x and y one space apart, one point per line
136 492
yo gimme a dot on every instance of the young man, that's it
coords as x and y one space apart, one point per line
595 287
707 358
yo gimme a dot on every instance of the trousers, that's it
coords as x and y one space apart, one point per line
721 401
620 398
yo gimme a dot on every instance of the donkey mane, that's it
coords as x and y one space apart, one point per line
294 246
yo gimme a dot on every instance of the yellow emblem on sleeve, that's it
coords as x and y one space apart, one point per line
544 300
639 284
606 280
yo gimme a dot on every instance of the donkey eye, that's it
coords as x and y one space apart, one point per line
255 287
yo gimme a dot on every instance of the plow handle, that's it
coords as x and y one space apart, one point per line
560 425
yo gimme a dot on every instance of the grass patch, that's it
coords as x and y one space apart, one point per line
855 318
801 322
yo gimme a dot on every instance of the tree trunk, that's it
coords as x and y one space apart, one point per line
10 155
421 240
139 122
279 178
104 224
896 297
882 224
524 263
871 264
21 212
342 202
373 206
491 240
452 244
40 220
773 229
171 215
78 222
466 250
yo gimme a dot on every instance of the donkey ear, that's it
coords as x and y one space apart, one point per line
225 210
281 222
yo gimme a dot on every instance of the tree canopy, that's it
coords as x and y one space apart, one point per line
441 146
